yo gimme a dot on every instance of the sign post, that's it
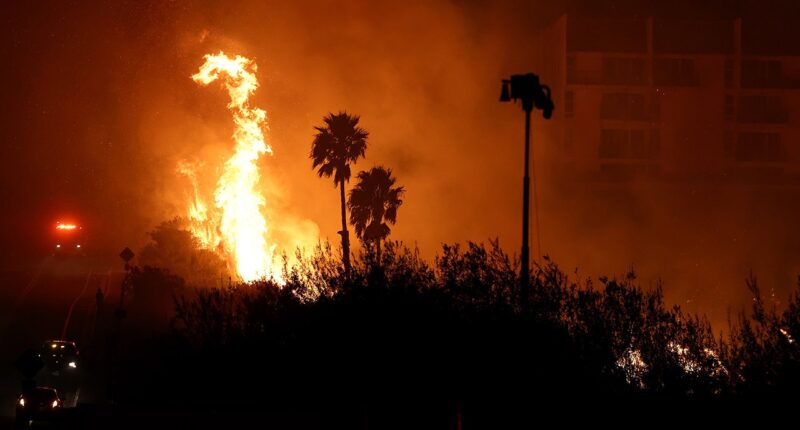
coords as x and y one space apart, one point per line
126 255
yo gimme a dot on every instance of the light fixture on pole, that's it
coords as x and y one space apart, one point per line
532 93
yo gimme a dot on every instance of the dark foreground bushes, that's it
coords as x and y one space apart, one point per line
401 337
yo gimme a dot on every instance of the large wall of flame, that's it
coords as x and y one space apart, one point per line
99 108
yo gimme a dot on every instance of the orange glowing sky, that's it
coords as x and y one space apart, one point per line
100 112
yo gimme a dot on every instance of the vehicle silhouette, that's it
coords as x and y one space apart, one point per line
36 405
61 370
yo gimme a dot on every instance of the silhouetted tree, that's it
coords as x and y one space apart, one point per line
373 203
174 248
337 144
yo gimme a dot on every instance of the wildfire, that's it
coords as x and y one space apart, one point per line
201 225
60 226
237 225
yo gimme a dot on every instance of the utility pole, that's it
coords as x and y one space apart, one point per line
533 94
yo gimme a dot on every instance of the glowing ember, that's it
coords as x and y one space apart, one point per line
242 225
787 335
60 226
688 364
634 367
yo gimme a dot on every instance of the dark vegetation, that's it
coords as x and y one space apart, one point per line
400 337
173 246
387 339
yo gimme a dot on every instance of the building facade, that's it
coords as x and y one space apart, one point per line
650 98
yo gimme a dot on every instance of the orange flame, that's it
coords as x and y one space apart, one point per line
201 224
66 226
241 222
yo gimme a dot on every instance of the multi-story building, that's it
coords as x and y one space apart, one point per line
666 98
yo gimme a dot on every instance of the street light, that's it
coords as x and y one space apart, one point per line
532 93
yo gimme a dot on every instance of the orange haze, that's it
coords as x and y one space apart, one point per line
102 112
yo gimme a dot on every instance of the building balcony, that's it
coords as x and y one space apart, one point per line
627 170
762 109
784 83
780 117
596 77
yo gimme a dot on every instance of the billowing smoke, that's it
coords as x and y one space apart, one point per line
100 111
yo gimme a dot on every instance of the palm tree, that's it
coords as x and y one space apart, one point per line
337 144
373 203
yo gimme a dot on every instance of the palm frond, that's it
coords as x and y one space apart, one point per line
337 144
373 202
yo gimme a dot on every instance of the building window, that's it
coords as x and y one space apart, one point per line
613 143
569 104
761 74
729 78
757 146
638 148
627 144
674 72
623 71
730 107
622 106
762 109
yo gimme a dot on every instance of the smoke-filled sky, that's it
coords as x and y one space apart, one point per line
99 108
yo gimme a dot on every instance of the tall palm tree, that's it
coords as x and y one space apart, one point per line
337 144
373 203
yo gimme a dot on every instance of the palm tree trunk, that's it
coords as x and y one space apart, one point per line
345 234
378 249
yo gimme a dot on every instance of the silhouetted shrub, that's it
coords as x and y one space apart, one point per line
455 331
762 349
174 248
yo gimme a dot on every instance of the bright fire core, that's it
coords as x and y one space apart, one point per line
236 225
